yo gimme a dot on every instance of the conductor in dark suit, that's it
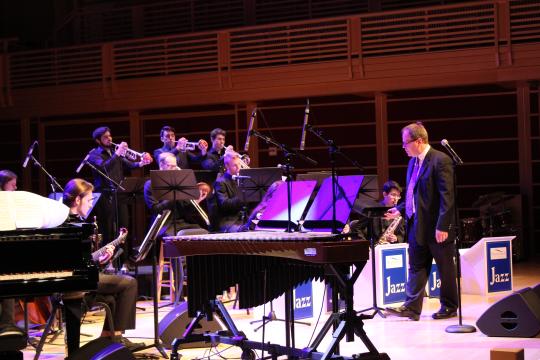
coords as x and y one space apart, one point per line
429 210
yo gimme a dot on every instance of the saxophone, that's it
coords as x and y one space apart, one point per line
389 230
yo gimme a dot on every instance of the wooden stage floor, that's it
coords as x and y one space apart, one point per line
400 338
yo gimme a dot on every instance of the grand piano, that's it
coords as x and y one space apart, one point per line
37 262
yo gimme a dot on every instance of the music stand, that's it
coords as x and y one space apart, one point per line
207 176
275 216
132 189
320 217
253 188
147 243
373 213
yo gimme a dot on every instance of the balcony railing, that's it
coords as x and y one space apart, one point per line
484 24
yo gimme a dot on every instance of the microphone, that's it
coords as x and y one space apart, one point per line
235 177
82 163
251 121
453 154
304 127
30 151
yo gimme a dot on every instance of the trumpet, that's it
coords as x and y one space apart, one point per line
230 150
243 164
190 145
130 154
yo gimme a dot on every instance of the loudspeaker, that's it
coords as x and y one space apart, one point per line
175 323
517 315
102 349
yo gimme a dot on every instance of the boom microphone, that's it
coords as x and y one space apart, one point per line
82 163
306 116
251 121
30 151
453 154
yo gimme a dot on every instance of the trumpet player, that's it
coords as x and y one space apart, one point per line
215 158
112 161
184 157
391 194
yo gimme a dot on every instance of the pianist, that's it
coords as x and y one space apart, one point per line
118 291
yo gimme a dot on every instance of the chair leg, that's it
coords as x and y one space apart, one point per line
108 316
47 330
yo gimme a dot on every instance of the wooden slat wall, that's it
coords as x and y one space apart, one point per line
372 39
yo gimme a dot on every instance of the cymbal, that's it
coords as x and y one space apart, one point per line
488 199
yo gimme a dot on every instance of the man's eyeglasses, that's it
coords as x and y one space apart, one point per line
395 196
405 143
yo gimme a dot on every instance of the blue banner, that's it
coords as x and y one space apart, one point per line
499 266
394 274
434 283
303 301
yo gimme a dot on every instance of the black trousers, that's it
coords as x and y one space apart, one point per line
119 292
420 260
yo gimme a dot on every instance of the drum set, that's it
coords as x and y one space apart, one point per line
494 220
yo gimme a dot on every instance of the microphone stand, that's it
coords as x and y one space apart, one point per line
105 176
459 328
333 149
289 154
54 184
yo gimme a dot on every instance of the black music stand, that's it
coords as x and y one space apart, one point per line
373 213
146 245
131 191
253 188
174 185
207 176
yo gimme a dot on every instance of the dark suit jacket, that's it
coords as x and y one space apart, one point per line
433 196
225 206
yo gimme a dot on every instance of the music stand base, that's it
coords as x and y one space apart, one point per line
376 311
158 346
460 329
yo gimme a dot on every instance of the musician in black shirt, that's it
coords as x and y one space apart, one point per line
112 162
118 291
184 158
391 195
214 157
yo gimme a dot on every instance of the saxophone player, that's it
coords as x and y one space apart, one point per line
391 230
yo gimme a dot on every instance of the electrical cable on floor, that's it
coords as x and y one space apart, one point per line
318 318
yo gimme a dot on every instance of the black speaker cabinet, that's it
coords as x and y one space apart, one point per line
517 315
102 349
175 323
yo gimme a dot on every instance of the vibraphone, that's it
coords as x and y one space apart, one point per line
265 265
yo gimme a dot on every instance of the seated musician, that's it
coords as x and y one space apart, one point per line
188 214
227 211
118 291
391 195
184 158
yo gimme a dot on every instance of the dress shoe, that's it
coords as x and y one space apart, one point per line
131 346
403 311
444 313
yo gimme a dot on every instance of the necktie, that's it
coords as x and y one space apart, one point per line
409 201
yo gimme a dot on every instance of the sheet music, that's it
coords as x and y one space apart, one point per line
22 209
7 211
